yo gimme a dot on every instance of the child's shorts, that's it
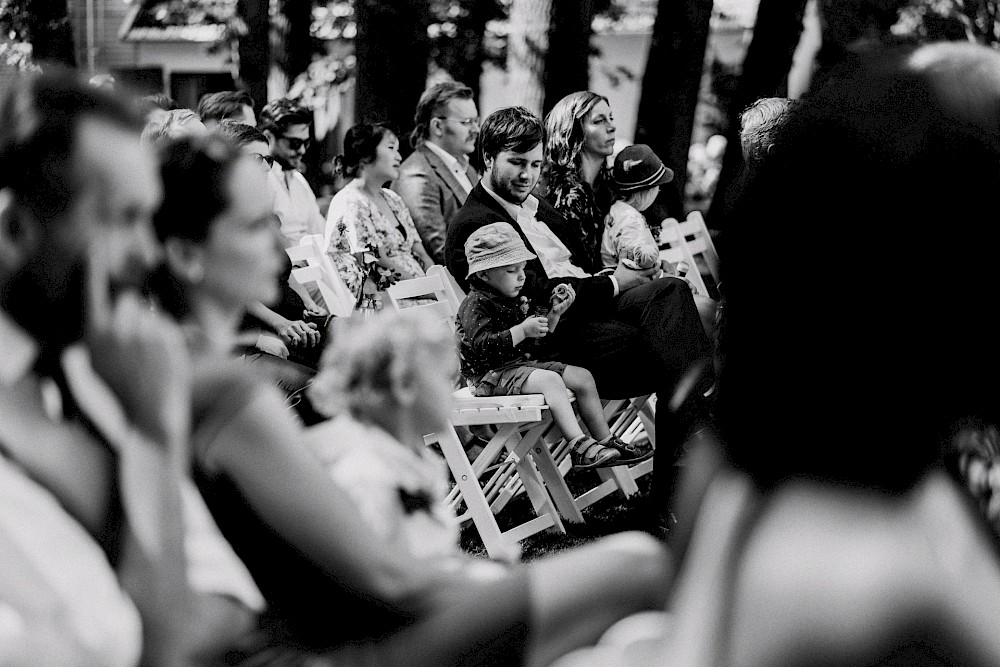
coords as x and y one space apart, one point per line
508 380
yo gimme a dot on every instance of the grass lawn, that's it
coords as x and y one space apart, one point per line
612 514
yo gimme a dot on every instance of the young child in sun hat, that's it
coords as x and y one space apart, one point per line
499 347
638 173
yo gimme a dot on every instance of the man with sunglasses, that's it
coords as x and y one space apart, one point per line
288 128
437 177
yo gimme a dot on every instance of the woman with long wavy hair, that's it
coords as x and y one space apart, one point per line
580 136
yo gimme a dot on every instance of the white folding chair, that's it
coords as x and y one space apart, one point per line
320 275
700 243
675 249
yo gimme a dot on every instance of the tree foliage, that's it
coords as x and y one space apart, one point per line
974 20
34 32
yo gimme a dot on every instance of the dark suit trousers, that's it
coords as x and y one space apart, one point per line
647 344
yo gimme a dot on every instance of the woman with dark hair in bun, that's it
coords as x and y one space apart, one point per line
369 231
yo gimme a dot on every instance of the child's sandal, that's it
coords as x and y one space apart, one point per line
591 454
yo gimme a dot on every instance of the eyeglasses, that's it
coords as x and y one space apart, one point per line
466 122
294 143
265 159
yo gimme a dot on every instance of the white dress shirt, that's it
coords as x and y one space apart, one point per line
57 574
552 253
295 205
457 169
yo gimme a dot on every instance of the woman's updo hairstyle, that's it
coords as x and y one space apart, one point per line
360 144
194 171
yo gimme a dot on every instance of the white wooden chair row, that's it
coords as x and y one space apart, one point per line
537 456
320 276
689 241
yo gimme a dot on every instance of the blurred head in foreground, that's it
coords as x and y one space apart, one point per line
877 222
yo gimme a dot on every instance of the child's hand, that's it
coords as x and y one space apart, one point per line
562 298
535 326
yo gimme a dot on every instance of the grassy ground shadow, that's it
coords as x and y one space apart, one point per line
612 514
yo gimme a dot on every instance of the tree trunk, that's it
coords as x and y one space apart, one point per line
298 42
463 57
567 60
765 74
255 50
392 50
527 44
670 90
50 33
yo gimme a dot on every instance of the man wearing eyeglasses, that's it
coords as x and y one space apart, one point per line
287 126
437 177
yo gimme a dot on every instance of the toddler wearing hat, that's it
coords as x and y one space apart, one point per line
638 173
500 347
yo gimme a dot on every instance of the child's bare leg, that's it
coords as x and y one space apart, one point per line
582 383
586 452
550 384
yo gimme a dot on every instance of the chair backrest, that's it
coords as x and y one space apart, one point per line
321 273
674 249
700 242
453 290
430 292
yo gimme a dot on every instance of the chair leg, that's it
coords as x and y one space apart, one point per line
534 484
555 482
497 546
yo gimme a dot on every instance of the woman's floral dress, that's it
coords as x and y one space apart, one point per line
354 225
581 204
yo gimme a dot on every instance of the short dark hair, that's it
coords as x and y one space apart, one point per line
166 125
222 105
239 133
360 144
432 103
278 115
157 101
40 116
510 129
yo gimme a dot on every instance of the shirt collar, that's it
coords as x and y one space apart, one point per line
528 207
450 160
20 351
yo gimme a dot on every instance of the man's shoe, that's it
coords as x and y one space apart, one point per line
631 452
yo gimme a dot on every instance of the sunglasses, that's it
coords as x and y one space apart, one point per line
265 159
294 143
